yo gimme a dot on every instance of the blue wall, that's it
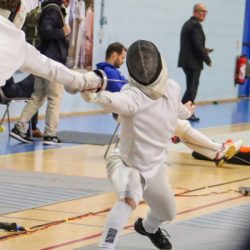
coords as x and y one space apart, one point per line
161 22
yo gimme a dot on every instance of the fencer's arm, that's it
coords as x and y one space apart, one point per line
125 102
184 112
42 66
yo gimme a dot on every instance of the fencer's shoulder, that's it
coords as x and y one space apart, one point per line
131 90
173 84
9 29
5 21
128 87
172 88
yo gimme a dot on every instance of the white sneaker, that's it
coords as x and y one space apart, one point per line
230 148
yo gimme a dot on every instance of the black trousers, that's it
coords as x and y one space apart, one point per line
192 83
24 88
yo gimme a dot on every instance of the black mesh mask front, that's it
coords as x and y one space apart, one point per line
144 62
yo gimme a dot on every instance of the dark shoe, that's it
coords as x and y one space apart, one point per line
193 118
16 134
158 239
36 133
51 140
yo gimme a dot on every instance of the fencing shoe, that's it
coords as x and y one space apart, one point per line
230 148
159 239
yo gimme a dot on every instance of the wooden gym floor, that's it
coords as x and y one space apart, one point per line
200 187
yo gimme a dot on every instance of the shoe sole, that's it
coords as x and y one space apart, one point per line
229 154
19 138
50 143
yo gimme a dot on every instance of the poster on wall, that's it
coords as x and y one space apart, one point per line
80 18
81 21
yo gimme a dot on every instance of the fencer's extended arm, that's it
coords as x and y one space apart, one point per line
40 65
125 102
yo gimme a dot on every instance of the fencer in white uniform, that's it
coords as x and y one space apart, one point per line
17 54
198 142
148 109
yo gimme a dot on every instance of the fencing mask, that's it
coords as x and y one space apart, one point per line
144 62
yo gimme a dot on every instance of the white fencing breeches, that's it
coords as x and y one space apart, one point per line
129 183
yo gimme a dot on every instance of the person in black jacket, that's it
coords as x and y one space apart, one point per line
193 53
53 34
53 31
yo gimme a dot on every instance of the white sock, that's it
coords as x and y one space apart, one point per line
151 223
115 222
201 143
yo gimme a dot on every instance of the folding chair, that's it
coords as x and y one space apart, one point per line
4 100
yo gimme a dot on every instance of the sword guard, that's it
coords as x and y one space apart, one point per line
104 78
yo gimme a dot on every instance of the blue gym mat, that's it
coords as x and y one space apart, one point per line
21 190
226 229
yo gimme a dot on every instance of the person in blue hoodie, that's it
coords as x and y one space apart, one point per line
115 56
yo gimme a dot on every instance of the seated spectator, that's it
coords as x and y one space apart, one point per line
115 56
23 88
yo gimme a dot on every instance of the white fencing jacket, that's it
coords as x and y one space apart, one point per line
146 124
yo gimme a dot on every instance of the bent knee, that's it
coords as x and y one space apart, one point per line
166 213
131 202
169 215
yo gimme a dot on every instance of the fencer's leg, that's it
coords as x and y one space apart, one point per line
196 140
128 185
209 153
160 198
114 224
161 201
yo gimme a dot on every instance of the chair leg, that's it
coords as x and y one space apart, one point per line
118 139
111 141
8 115
4 115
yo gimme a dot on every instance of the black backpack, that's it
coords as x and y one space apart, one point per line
31 22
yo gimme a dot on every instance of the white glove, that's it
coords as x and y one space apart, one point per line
93 82
84 82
